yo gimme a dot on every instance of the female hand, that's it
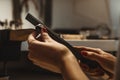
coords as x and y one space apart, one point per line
51 55
45 52
106 60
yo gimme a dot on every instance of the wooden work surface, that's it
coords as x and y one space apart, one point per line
20 35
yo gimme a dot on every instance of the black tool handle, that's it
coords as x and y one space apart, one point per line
92 64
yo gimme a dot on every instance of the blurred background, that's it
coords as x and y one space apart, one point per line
93 23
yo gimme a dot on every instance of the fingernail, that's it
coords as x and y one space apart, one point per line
84 53
44 29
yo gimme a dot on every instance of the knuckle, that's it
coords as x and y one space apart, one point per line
91 54
45 35
98 49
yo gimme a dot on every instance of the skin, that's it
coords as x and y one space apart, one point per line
106 60
53 56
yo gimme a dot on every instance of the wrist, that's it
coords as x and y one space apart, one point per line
67 57
70 68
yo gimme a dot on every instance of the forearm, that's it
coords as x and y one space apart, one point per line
71 70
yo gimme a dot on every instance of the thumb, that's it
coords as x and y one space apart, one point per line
45 36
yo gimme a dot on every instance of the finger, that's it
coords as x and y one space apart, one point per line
97 50
45 35
33 43
96 72
92 55
31 36
87 48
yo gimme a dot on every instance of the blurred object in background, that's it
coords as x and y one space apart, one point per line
103 31
84 34
72 36
88 33
9 49
46 11
18 7
20 35
4 24
66 31
16 14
